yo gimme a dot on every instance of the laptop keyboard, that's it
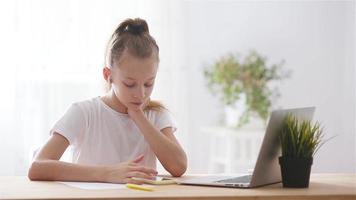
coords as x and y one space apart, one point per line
240 179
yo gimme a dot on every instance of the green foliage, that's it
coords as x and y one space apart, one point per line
229 78
300 139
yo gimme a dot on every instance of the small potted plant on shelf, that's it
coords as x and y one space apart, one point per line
242 86
300 140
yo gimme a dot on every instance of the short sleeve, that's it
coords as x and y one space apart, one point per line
165 119
72 124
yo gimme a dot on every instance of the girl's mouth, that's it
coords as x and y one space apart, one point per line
137 104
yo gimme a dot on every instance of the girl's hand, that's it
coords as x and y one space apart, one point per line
123 172
135 111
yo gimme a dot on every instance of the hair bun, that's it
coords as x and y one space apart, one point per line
136 29
134 26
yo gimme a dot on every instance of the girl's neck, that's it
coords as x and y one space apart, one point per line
113 102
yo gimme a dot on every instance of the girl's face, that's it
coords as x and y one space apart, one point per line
133 79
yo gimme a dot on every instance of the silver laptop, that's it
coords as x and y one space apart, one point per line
267 170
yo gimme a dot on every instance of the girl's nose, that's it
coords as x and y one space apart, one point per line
140 93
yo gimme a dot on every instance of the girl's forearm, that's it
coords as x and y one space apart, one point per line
170 154
55 170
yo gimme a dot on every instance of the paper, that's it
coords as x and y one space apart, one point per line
94 185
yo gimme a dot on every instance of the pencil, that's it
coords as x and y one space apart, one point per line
138 187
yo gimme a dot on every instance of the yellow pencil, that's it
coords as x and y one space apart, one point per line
138 187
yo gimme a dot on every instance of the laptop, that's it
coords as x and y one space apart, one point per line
267 170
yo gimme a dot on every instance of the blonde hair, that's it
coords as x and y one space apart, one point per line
132 35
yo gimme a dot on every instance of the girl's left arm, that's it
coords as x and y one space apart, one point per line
165 146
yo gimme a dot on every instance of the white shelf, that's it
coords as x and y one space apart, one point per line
233 150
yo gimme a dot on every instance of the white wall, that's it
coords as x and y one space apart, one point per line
317 41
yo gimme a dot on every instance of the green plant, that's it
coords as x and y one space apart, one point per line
300 139
229 78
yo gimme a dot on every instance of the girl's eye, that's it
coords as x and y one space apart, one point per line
129 85
133 85
149 84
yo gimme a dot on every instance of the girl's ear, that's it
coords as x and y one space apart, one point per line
107 74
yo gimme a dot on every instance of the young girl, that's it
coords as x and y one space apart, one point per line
119 135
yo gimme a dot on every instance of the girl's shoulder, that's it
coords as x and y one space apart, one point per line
162 118
156 112
156 115
89 105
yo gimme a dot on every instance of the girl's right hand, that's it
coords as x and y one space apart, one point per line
123 172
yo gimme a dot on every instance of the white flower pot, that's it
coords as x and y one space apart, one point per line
234 112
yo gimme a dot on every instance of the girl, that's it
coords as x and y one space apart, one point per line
119 135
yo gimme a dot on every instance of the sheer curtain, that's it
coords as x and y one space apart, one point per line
52 53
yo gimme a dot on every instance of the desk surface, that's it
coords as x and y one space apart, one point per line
322 186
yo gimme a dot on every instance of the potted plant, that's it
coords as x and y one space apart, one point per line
300 140
244 83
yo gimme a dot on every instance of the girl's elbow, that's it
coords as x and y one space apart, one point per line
179 170
178 173
33 172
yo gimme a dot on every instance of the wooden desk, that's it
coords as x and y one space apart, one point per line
322 186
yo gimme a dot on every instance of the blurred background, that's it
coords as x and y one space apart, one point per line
52 54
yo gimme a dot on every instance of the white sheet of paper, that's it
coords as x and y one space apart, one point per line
94 185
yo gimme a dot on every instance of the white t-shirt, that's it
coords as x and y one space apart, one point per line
100 135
